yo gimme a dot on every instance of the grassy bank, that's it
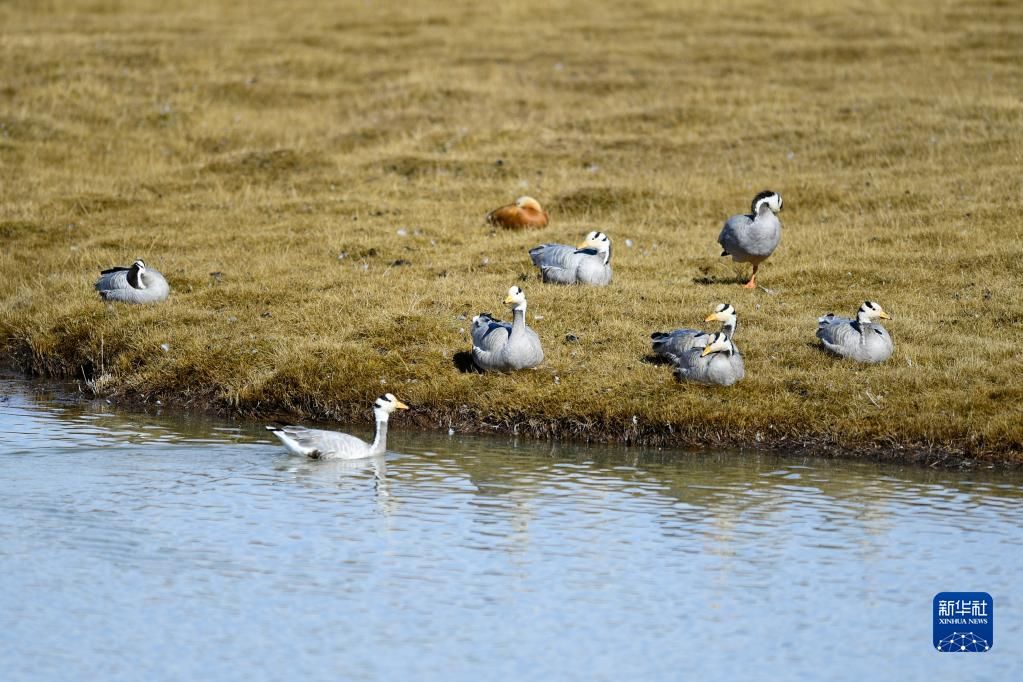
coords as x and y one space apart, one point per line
312 181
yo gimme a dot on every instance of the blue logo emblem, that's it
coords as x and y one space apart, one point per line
964 622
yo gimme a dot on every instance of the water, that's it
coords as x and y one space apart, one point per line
170 548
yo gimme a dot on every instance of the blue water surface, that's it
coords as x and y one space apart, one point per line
151 547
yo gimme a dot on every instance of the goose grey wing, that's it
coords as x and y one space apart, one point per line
115 278
692 365
558 262
828 325
118 268
487 360
672 345
325 444
488 333
732 234
832 318
838 334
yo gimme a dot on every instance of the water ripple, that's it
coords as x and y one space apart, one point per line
471 548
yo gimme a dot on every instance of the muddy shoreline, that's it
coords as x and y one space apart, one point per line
579 429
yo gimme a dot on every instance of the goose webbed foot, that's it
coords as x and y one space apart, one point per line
752 283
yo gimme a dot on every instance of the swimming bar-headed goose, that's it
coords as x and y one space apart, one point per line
862 339
525 213
502 347
135 284
321 444
711 364
588 263
752 238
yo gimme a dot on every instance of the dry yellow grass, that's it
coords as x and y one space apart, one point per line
283 145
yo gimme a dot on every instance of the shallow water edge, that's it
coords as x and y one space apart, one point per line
578 429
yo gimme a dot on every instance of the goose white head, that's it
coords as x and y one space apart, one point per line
385 405
598 241
718 343
766 200
723 312
135 272
871 311
516 299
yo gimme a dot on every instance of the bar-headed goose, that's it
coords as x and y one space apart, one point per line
321 444
588 263
862 339
752 238
134 284
672 345
501 347
711 364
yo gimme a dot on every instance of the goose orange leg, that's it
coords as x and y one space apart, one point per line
752 283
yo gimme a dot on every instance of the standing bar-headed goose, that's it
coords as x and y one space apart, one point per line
752 238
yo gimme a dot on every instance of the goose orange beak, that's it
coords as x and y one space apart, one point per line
884 316
706 351
400 405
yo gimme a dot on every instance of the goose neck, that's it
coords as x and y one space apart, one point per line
728 327
518 322
380 439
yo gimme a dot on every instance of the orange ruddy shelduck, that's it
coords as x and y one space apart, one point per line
526 213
